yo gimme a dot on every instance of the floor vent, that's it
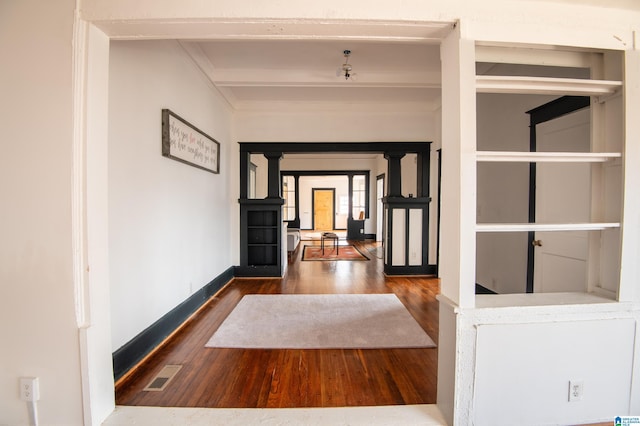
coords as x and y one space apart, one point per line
163 378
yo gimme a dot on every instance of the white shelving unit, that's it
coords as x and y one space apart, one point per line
600 90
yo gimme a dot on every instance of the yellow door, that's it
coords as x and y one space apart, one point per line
323 209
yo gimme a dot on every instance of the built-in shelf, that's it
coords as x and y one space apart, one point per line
540 300
545 85
539 157
260 228
544 227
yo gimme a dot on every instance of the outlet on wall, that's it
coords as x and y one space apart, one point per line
576 389
29 389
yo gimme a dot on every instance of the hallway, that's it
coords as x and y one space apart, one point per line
257 378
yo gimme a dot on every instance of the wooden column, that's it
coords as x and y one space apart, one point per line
273 183
395 173
423 175
245 159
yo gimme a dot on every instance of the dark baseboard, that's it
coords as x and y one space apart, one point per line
257 271
410 270
483 290
140 346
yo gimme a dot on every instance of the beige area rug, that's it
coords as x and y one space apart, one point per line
320 321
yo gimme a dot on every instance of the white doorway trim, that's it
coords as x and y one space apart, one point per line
91 71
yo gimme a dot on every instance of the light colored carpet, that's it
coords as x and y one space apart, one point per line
320 321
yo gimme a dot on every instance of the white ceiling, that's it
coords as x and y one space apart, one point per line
396 65
253 73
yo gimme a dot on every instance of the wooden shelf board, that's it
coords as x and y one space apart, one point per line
545 85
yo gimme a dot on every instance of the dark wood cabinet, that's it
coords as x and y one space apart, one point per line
260 242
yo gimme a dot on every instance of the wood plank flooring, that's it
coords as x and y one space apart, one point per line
255 378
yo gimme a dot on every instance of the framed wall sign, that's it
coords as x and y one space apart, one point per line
186 143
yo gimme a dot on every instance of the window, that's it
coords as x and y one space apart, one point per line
359 197
252 180
289 195
343 206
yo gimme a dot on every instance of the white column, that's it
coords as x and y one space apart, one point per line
630 250
457 232
458 214
92 281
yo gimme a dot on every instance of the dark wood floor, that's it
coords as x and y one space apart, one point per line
255 378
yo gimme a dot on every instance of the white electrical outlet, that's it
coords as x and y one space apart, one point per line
576 390
29 389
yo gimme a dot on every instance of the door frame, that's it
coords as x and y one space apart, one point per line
380 210
313 207
547 112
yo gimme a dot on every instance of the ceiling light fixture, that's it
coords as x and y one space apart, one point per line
345 69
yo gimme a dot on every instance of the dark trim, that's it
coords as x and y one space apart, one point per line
480 289
532 210
438 207
323 172
134 351
325 147
393 151
350 201
557 108
410 270
423 166
297 209
273 174
394 171
257 271
547 112
245 160
381 177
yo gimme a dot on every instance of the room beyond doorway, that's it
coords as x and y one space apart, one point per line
324 209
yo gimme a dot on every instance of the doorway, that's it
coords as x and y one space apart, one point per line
324 209
558 260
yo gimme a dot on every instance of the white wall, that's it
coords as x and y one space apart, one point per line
339 123
409 175
168 221
262 174
503 125
37 309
